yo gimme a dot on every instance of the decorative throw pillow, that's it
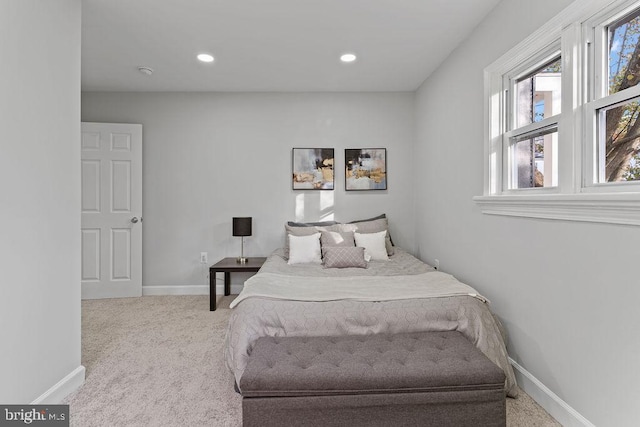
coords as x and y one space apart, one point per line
304 249
373 225
305 231
344 257
373 244
336 238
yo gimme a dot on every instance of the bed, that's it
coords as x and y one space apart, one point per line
401 294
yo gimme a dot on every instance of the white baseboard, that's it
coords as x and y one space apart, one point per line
187 290
551 402
62 388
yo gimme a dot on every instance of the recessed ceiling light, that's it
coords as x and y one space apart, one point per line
205 57
348 57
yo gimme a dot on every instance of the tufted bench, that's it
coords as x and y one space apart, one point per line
419 379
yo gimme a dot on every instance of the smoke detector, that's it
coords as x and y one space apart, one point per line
146 70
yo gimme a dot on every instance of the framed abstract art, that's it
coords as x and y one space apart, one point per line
312 169
365 169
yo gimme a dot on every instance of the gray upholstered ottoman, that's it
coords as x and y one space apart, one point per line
415 379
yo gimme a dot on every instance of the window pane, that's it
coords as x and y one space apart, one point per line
619 142
535 160
624 53
538 95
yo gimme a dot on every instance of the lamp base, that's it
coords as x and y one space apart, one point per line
242 260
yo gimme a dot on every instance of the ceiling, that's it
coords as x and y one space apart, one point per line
270 45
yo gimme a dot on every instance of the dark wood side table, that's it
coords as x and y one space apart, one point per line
228 266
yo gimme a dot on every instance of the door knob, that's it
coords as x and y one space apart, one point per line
134 219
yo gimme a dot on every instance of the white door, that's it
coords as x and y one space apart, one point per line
111 210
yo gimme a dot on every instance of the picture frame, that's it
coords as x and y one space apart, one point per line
312 169
365 169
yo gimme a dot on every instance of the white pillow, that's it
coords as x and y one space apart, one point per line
373 244
304 249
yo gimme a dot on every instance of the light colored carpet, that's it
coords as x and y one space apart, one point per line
158 361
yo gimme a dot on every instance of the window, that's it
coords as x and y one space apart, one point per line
532 143
617 106
563 139
618 142
538 94
527 157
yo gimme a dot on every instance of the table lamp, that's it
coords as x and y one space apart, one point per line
242 227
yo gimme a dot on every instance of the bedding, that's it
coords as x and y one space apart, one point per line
399 295
363 226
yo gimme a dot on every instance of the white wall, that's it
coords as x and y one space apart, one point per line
39 199
211 156
567 292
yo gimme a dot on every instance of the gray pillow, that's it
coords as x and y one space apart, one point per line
311 224
337 238
369 219
375 225
344 257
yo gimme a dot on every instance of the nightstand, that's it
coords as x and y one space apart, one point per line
228 266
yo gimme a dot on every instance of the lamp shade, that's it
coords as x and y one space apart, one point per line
242 226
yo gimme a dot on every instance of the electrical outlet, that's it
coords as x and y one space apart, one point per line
204 257
436 264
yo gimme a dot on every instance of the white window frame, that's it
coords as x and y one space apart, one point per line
509 82
595 36
576 197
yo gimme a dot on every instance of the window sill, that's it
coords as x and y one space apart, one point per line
619 208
